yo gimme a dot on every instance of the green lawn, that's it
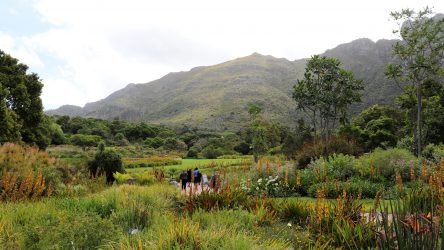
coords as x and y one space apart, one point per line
189 163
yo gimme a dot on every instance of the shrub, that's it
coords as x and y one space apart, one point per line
341 166
26 172
122 178
227 198
174 144
155 142
271 186
106 162
293 211
383 164
144 178
336 166
415 223
307 177
85 141
193 152
434 153
211 152
312 151
364 189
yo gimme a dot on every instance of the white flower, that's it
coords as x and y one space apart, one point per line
260 180
289 224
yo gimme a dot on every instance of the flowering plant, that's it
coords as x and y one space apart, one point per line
271 186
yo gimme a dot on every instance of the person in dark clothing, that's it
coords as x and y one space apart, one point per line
189 176
183 177
197 177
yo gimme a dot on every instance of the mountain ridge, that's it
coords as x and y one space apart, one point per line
216 97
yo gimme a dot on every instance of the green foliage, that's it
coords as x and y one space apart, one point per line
419 57
174 144
383 164
414 223
193 152
85 141
211 152
136 213
434 153
263 134
326 92
155 142
338 166
122 178
227 198
311 151
120 140
114 132
332 189
294 139
270 186
21 109
79 232
106 162
377 126
293 211
149 162
254 110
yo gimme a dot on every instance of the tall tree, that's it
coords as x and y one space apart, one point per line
419 54
21 109
326 92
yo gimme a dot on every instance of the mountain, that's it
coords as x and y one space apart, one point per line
217 97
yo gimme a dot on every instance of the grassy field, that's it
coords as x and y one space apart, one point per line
367 204
202 164
136 217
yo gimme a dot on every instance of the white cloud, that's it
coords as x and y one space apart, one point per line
100 46
20 49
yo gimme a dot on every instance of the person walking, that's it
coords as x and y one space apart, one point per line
189 176
215 182
197 176
183 178
205 181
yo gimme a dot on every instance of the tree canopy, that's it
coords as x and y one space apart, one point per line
326 92
419 55
21 109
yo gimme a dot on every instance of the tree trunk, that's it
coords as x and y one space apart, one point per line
419 119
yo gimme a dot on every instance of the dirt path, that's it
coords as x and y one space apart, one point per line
193 189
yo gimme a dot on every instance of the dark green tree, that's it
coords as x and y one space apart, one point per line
263 134
326 93
21 109
419 55
376 126
432 93
106 162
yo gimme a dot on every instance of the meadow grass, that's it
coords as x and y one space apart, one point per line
191 164
134 217
367 204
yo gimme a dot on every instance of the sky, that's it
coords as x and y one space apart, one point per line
84 50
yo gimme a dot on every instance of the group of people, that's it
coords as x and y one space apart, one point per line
198 179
